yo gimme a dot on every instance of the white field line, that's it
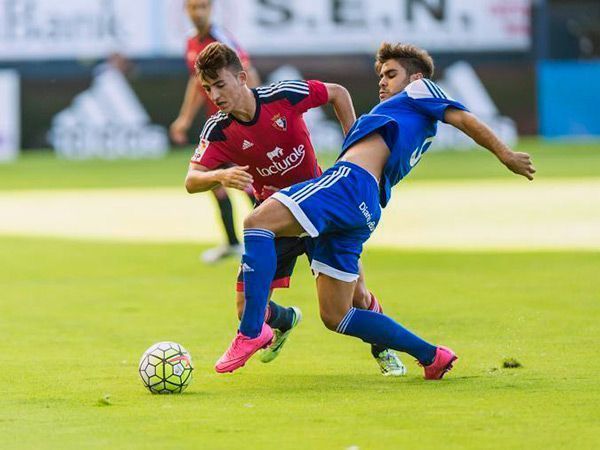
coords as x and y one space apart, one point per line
555 214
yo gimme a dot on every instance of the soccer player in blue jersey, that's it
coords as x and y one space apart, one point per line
341 208
263 134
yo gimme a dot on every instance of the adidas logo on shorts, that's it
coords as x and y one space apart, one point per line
247 268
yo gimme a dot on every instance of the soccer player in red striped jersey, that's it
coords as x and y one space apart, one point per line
262 132
205 33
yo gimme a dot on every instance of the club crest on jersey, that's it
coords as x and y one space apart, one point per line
279 122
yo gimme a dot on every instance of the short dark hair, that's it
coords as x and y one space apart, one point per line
412 58
214 57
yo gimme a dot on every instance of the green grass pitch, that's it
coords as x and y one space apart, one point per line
75 317
41 170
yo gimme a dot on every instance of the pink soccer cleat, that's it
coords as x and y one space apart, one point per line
442 363
242 348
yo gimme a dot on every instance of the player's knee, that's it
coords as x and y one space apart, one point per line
330 321
362 297
261 217
331 318
253 220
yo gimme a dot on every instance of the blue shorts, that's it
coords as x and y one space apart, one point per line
340 210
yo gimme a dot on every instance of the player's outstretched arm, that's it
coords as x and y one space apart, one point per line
517 162
200 178
192 102
340 99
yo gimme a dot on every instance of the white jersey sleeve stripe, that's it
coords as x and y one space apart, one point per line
419 89
211 124
284 84
270 94
432 89
436 88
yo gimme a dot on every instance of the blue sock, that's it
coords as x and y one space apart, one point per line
379 329
258 265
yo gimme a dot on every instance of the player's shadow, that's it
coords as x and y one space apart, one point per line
375 383
273 384
318 383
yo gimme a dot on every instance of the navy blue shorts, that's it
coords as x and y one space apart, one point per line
339 210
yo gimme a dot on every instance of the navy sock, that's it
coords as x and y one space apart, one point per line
376 349
379 329
258 265
280 317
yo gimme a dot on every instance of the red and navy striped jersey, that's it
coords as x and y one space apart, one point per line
275 143
195 45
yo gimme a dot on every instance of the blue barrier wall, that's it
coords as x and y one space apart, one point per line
569 98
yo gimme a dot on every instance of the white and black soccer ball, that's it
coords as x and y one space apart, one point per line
166 368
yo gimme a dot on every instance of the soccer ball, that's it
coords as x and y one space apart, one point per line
166 368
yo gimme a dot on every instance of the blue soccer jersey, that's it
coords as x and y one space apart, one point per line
341 208
408 123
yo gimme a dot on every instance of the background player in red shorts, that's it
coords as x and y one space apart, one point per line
199 11
262 132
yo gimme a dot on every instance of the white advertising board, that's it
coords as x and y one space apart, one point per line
359 26
10 115
74 29
107 121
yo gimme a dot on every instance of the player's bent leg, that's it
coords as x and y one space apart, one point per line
361 297
335 299
275 217
283 320
258 267
259 264
336 290
389 363
380 329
